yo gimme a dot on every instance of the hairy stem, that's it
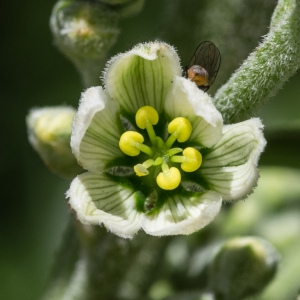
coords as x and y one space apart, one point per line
266 69
95 264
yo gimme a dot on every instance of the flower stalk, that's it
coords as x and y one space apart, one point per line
94 264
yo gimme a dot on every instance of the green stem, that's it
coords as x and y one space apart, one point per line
266 69
90 70
69 273
95 264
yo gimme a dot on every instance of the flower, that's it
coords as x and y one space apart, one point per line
155 149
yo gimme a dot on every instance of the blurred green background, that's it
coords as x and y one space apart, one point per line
34 74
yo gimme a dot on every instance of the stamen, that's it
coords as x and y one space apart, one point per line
174 151
158 161
180 129
145 117
191 159
168 179
131 143
159 142
142 169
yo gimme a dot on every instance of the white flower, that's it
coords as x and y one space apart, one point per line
155 149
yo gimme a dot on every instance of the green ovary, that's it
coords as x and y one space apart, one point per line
161 152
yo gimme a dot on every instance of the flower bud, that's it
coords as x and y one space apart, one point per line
242 267
49 132
84 32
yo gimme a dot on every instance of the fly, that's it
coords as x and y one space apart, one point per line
204 65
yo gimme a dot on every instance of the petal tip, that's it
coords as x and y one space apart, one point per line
115 204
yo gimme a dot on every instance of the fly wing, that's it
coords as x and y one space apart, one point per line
207 56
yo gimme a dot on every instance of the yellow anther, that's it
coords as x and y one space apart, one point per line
181 127
130 143
140 170
168 179
180 130
192 161
145 116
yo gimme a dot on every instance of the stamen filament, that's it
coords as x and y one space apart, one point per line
148 163
144 148
171 139
159 142
174 151
165 168
178 159
158 161
151 133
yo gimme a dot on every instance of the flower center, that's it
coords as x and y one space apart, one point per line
161 152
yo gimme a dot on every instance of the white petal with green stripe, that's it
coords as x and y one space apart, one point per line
230 166
183 215
96 130
97 199
240 141
185 99
142 76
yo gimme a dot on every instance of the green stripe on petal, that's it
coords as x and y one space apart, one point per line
185 99
239 143
97 199
183 215
230 166
232 183
142 76
96 131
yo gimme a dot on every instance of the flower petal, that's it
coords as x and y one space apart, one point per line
142 76
97 199
185 99
229 167
182 214
96 130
